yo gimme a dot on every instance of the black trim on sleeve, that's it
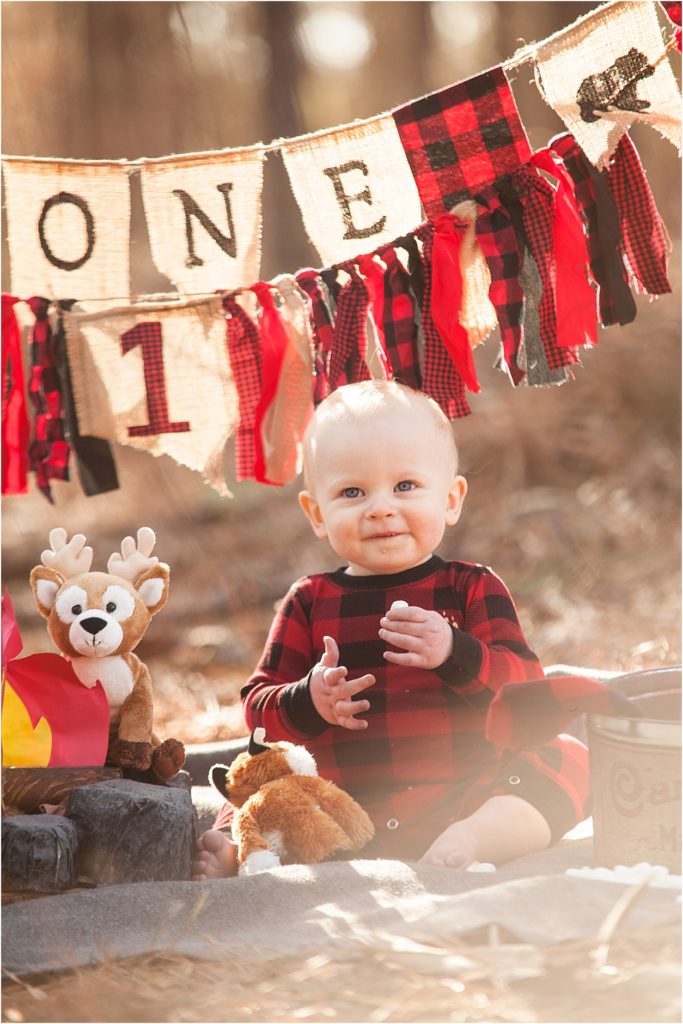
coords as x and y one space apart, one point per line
297 704
464 663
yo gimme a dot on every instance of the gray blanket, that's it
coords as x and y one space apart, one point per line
306 909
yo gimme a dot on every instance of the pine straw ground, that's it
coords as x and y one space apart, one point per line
623 977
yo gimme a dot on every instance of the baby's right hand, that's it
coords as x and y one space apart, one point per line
331 691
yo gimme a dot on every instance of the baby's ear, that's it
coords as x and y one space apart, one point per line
311 508
152 587
45 583
456 497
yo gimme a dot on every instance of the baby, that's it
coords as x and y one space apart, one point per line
385 668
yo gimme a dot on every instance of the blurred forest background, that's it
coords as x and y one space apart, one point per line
574 491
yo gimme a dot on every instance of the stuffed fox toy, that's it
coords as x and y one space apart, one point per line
95 619
285 812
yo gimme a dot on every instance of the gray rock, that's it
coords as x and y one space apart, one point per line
133 831
39 853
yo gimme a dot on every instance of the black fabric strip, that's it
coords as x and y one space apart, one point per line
94 457
609 233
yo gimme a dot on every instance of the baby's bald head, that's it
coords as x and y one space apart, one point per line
370 407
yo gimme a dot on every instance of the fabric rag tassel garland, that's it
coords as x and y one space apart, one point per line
244 351
320 318
399 324
348 356
49 449
15 424
601 218
93 455
440 378
645 242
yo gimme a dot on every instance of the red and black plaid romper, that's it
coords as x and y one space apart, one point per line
424 761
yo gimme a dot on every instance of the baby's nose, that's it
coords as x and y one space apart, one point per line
381 506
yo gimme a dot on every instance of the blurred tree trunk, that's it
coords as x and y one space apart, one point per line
399 65
286 247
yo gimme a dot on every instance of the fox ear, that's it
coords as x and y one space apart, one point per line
153 585
45 583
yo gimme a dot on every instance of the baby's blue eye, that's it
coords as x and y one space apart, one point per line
405 485
351 492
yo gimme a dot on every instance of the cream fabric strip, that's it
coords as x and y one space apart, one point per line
354 188
477 313
204 217
288 415
68 227
606 72
190 366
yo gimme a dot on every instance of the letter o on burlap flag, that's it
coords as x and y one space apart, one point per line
68 225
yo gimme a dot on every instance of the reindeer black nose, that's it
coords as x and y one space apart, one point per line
93 624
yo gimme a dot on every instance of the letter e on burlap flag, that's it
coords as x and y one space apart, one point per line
462 138
204 218
158 379
68 226
354 188
607 71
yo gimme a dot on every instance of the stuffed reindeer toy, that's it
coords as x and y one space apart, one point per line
95 619
286 814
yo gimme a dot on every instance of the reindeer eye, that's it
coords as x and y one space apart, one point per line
77 609
111 607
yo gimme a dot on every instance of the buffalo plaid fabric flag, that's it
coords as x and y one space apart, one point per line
601 219
462 138
348 356
645 243
400 326
440 379
322 329
49 449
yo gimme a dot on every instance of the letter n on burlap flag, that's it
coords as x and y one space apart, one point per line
608 70
157 378
462 138
204 217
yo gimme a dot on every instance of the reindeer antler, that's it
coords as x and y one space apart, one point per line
134 560
67 559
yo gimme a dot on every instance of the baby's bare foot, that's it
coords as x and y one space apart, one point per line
216 857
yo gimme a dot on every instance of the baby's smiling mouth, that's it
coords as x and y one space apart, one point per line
384 535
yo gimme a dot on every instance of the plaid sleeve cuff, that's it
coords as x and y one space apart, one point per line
296 703
464 663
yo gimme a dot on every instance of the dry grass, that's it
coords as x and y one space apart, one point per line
485 979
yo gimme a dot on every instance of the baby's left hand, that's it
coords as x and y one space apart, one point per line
425 637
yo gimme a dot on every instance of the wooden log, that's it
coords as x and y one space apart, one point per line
25 789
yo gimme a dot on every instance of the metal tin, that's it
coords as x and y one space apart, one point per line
635 768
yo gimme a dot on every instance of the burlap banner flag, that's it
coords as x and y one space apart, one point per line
157 378
354 188
68 226
462 138
607 71
204 217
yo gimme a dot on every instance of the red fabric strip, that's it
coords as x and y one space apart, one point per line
273 344
15 425
575 299
447 297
